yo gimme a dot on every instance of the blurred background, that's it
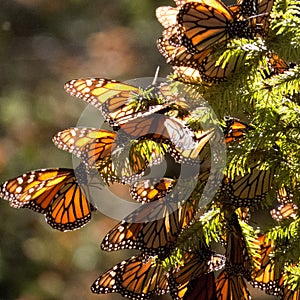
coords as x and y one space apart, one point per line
43 44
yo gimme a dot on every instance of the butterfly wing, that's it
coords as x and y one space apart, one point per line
134 278
208 24
235 129
250 188
155 237
53 192
149 190
118 102
88 144
231 286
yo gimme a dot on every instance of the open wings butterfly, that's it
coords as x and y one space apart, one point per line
210 23
57 193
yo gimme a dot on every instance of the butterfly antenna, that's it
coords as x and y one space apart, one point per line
155 76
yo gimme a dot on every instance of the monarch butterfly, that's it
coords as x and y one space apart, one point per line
260 10
231 286
95 148
210 23
149 190
267 272
114 99
238 260
201 288
184 144
287 293
284 211
57 193
155 237
235 129
248 189
133 278
197 266
197 66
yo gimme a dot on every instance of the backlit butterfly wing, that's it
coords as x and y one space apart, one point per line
95 148
149 190
196 267
263 18
187 74
88 144
238 260
152 237
209 23
287 293
197 66
167 15
56 193
168 130
235 129
259 10
267 272
201 288
133 278
231 286
250 189
284 211
113 98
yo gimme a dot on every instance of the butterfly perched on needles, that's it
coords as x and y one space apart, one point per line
190 277
153 228
258 13
231 286
268 270
247 189
95 147
59 194
117 101
209 23
140 278
286 208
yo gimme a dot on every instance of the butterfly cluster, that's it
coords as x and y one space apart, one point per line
62 195
174 229
198 32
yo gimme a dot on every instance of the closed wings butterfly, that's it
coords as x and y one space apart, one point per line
196 267
231 286
134 278
118 102
248 189
57 193
153 229
197 66
268 270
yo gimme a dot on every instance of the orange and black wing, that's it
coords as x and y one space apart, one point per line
248 189
56 193
88 144
267 272
149 190
153 228
134 278
231 286
209 23
235 129
119 102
